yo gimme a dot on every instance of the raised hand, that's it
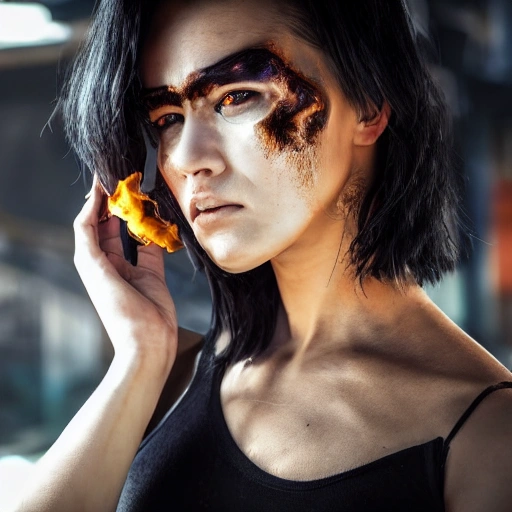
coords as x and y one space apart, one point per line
133 302
97 447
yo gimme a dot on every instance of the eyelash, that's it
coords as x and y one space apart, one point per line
238 98
166 121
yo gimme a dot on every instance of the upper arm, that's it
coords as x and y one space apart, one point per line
189 345
478 475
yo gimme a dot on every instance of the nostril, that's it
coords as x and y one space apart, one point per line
206 172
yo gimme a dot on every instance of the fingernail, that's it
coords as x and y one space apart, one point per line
104 213
104 218
94 184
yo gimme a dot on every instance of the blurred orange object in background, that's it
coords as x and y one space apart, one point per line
503 229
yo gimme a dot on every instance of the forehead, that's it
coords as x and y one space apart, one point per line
186 38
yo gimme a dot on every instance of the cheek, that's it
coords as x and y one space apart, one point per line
163 162
296 121
173 182
294 126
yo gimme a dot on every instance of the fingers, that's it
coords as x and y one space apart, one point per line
98 240
87 221
131 301
95 201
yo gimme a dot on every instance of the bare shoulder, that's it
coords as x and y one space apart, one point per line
189 345
479 461
451 357
445 370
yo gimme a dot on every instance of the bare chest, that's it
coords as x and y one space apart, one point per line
309 427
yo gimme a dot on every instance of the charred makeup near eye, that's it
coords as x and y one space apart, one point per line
298 113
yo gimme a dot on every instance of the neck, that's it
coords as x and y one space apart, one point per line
324 305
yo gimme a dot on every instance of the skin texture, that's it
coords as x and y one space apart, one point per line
246 164
359 373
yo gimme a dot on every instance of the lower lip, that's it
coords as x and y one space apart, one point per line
216 215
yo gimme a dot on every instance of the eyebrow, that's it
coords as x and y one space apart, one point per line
253 64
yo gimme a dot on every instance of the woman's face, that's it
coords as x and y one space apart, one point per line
256 139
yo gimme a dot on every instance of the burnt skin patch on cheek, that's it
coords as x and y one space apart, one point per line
295 123
298 118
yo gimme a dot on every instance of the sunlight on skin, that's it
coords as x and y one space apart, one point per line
14 473
305 140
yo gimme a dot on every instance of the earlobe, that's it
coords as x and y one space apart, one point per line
367 132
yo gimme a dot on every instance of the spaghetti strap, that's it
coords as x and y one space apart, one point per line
472 407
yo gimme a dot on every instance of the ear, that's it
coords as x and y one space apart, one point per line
367 132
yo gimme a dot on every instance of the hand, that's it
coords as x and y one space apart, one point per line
133 303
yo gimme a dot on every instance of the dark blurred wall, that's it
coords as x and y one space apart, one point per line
39 178
474 40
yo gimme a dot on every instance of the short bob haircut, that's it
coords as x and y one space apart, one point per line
409 223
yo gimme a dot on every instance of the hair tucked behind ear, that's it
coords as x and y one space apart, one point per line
408 222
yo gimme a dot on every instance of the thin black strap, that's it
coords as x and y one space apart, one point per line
472 407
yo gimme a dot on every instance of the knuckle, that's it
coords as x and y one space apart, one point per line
78 222
77 261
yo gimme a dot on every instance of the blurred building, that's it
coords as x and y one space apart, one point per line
53 350
474 40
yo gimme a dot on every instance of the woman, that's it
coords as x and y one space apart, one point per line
302 150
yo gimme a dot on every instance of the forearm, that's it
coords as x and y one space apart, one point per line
86 467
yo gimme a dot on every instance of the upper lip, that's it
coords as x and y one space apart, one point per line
202 202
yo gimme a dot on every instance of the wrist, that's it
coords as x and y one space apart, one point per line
149 363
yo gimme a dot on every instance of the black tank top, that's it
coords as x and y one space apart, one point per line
190 462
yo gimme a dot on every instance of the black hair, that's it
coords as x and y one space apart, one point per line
409 220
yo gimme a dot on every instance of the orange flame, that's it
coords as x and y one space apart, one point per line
141 215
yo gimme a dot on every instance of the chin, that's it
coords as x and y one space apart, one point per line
234 262
235 267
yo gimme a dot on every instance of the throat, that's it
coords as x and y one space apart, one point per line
346 319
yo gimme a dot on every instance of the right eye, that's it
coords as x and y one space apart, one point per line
166 121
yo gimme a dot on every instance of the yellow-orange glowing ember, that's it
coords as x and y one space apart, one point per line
141 215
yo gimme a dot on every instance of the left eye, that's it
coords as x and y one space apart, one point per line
244 106
235 99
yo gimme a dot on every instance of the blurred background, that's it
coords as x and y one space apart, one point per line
53 350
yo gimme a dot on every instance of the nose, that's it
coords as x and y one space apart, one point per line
196 151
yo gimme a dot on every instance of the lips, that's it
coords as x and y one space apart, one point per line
207 205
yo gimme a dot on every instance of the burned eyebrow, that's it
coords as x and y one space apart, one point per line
160 97
253 64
